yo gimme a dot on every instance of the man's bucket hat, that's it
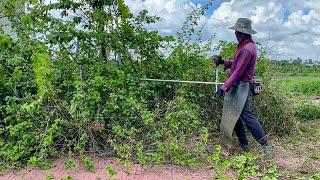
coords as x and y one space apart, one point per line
243 25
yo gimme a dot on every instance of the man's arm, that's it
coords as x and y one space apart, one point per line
242 64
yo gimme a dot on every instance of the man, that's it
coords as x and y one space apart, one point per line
237 87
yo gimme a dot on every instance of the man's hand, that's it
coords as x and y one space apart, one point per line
217 60
219 93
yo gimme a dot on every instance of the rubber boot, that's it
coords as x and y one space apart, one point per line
245 147
268 151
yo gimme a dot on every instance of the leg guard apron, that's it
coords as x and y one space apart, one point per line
233 104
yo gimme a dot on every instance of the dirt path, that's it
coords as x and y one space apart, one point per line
160 172
297 156
293 163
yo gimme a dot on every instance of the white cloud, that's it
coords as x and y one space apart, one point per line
172 12
289 29
316 41
303 22
295 5
297 35
225 14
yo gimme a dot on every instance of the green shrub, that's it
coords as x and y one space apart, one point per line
88 164
306 112
245 166
111 171
78 90
49 177
275 111
70 164
184 133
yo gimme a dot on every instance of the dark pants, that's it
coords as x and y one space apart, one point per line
251 123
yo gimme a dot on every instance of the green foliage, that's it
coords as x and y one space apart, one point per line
67 178
42 70
88 164
316 176
177 128
141 157
71 84
300 85
245 166
302 89
275 111
295 68
49 177
315 155
307 112
220 165
227 49
111 171
70 164
47 165
36 162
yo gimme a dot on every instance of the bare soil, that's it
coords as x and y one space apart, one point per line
137 172
316 101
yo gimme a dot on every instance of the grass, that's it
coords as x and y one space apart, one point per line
300 86
300 150
302 89
307 112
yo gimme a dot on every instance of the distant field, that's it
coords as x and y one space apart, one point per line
304 89
307 86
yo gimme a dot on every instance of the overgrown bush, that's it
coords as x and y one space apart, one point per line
275 112
77 90
273 108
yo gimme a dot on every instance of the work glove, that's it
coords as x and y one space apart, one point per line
217 60
219 93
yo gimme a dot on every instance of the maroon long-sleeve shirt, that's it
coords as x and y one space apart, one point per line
243 65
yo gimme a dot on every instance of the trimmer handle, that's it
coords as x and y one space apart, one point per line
217 59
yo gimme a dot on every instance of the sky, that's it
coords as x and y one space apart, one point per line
286 28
